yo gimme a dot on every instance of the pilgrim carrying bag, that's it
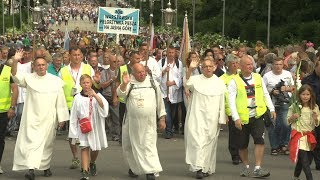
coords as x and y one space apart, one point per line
85 123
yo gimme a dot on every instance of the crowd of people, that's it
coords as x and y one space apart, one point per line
121 91
115 82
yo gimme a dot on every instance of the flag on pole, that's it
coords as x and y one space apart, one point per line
152 37
185 43
66 44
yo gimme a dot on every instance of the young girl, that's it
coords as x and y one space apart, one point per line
89 104
302 140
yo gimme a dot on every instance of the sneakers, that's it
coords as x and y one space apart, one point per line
75 163
85 175
93 169
47 173
131 174
199 174
259 173
245 172
295 178
1 171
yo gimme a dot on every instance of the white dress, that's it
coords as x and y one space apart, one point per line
97 138
206 112
45 105
139 130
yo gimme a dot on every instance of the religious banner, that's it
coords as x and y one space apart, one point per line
118 20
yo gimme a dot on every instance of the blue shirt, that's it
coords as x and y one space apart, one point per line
52 70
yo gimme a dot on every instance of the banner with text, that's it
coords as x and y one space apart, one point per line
118 20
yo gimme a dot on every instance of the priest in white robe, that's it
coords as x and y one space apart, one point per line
205 113
44 107
144 105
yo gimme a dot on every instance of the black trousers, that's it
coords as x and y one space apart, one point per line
3 126
304 159
122 110
232 144
316 151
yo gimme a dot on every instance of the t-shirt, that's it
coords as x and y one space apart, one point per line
271 80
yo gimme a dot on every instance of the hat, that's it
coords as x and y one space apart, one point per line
231 58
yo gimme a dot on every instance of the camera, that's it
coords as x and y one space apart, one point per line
282 97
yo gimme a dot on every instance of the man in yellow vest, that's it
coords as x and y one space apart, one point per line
248 100
232 63
7 103
134 58
71 76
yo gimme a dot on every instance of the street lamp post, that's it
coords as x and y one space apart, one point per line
13 11
193 17
168 14
28 9
168 17
3 25
20 6
223 16
36 18
269 18
176 3
36 15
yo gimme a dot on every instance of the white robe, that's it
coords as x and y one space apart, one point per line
139 130
97 138
45 105
206 112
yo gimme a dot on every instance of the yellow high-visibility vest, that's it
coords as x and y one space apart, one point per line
226 79
69 82
5 90
242 101
123 69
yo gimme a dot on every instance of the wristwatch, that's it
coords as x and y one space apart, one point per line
13 107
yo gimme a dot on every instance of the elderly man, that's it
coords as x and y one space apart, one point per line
34 145
232 62
248 98
56 65
144 103
205 114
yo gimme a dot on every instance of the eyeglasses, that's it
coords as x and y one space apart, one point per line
207 67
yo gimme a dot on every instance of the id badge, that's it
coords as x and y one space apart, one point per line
73 91
140 103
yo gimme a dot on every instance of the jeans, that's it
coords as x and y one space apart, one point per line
279 135
3 126
171 110
304 159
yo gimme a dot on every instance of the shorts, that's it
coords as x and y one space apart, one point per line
255 128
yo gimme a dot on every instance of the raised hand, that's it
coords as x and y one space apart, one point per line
194 63
18 55
97 76
125 77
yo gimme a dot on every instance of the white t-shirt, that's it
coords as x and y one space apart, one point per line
271 80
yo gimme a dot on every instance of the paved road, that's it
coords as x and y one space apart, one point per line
111 166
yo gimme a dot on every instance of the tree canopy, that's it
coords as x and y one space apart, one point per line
291 20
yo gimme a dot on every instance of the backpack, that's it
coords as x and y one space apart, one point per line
164 60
